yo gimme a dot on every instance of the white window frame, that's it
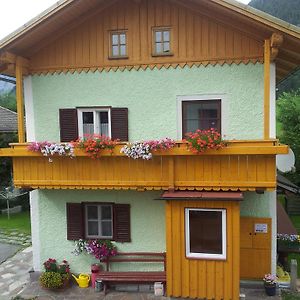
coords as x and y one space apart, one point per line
99 220
205 97
188 252
95 112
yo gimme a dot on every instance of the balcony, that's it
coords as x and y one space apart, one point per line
242 165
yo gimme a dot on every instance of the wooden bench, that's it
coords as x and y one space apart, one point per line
108 277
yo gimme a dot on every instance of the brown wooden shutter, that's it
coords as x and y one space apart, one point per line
119 124
122 223
74 221
68 124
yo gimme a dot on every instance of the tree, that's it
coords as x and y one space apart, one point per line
288 114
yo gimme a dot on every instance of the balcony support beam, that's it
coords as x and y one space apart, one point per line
267 84
20 100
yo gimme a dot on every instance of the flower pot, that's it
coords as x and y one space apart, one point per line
270 290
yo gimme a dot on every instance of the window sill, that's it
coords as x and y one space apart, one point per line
162 54
117 57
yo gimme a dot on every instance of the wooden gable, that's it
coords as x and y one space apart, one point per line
197 37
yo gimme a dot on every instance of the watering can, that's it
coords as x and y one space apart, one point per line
82 280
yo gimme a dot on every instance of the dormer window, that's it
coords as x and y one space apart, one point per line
161 41
118 44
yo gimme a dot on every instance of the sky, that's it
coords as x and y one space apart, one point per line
15 13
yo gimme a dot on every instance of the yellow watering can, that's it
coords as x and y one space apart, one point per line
82 280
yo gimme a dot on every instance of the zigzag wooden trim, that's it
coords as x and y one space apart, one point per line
159 66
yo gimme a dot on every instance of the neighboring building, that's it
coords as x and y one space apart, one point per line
8 120
147 69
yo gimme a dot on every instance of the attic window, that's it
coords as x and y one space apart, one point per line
118 44
161 41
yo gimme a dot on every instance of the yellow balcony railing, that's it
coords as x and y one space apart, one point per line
242 165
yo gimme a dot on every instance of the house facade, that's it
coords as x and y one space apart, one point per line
146 70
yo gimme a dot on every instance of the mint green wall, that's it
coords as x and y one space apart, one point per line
147 224
256 205
151 98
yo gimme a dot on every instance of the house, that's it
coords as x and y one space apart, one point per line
149 69
8 120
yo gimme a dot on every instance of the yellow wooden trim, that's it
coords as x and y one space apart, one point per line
255 147
267 59
19 98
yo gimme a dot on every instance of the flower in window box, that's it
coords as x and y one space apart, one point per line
93 144
202 140
50 149
100 249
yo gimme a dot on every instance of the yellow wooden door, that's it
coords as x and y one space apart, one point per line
256 238
202 278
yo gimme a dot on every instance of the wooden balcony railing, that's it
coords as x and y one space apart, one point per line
242 165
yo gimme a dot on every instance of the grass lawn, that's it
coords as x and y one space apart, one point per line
20 221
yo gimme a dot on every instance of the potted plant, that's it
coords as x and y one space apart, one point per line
56 276
270 282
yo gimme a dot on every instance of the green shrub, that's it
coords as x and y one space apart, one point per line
51 280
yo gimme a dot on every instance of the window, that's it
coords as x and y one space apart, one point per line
118 44
201 114
98 221
161 41
90 220
94 121
205 233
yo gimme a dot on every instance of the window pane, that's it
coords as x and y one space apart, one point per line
158 47
103 123
115 50
166 36
92 212
167 47
92 228
106 212
123 50
158 36
123 39
205 232
106 228
201 115
115 39
88 117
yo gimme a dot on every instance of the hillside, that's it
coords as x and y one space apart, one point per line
288 10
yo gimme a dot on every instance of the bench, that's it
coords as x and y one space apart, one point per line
108 277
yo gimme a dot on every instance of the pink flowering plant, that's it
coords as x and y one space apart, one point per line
50 149
270 280
202 140
100 249
93 144
144 150
56 275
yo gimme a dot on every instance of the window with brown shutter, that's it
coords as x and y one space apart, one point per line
119 124
112 122
98 221
68 124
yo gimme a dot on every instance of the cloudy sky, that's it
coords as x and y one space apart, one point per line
15 13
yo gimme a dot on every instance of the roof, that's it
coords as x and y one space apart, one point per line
284 223
24 40
285 184
8 120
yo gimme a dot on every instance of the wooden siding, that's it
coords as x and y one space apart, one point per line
255 248
234 172
196 39
199 278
